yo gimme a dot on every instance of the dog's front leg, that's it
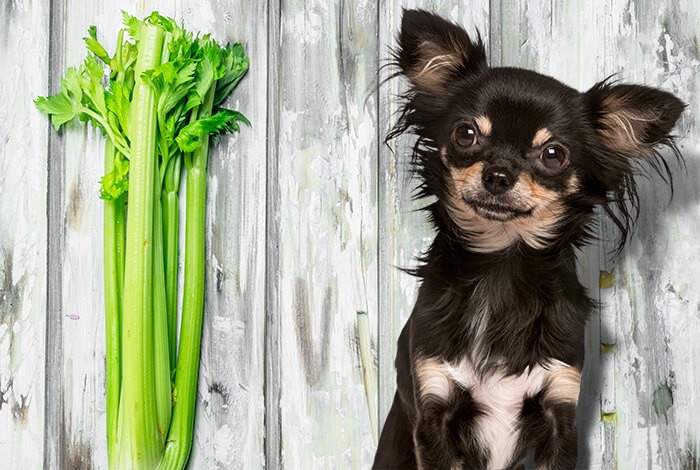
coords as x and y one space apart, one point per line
432 451
554 421
433 392
562 450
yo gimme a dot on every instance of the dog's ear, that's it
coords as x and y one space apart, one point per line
433 52
632 119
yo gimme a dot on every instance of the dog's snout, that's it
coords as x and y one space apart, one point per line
497 180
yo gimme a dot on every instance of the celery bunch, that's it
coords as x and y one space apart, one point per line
157 107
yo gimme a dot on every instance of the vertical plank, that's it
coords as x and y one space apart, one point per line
53 384
404 232
23 171
326 159
655 296
229 430
273 361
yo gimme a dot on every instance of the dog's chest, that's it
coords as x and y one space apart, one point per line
500 397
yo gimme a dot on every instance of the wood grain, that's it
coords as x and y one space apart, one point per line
631 380
229 430
326 159
23 228
309 217
655 297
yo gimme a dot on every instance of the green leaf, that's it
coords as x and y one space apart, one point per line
94 45
133 25
115 183
236 64
59 107
66 105
192 135
209 69
118 101
91 74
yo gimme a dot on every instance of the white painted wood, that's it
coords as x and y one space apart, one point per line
656 290
309 218
327 266
23 171
229 430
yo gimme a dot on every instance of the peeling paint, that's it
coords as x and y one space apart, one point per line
609 417
607 279
662 400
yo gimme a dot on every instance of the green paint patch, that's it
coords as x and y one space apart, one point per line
606 279
610 417
608 348
662 400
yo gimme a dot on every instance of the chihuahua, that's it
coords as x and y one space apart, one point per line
489 362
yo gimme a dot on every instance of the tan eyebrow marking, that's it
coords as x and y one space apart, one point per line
484 124
573 184
541 136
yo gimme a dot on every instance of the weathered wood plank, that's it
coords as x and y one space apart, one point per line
230 429
53 429
655 297
327 242
273 361
404 233
23 171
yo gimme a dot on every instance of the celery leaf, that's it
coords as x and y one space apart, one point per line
192 135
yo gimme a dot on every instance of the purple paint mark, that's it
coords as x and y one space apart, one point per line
73 316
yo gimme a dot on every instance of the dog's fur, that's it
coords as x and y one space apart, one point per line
489 363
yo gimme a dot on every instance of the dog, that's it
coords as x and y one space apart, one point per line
489 363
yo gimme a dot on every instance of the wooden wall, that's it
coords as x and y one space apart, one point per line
309 215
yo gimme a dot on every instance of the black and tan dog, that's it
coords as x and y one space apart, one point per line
489 363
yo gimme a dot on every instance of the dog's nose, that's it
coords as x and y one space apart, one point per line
497 180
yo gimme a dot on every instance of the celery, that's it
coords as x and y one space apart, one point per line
180 437
171 225
114 280
139 441
158 111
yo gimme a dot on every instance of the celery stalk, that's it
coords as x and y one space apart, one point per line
179 442
139 442
171 225
160 317
113 281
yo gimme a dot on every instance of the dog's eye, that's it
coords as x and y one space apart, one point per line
553 157
465 135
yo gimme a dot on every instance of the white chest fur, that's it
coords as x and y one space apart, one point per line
500 396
